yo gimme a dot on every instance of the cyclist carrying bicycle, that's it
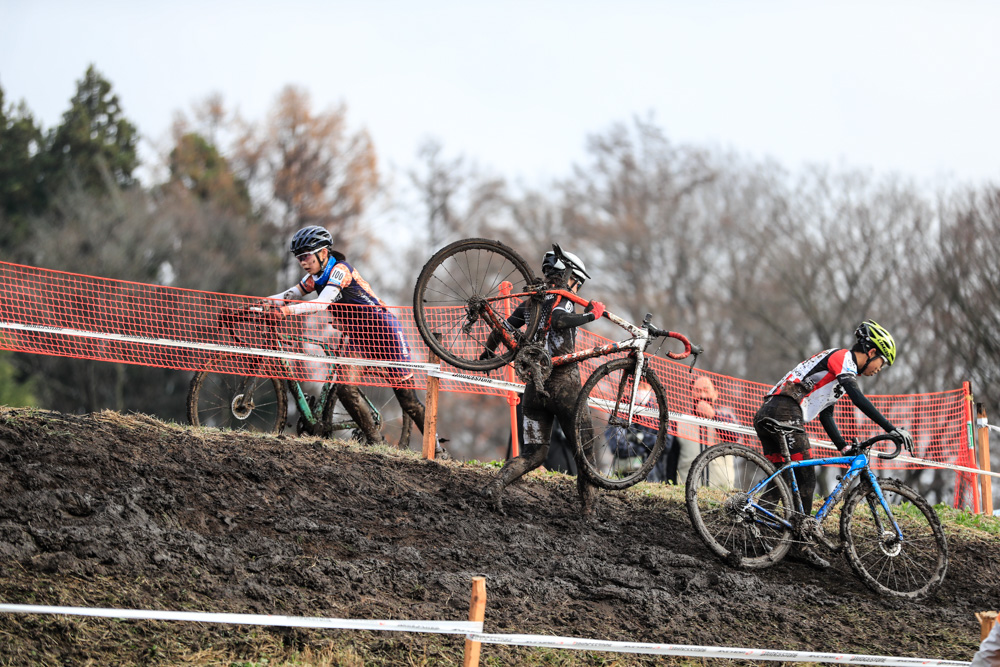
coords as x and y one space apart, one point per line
558 334
373 332
812 389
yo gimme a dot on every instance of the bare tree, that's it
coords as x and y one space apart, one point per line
962 287
456 198
634 204
307 168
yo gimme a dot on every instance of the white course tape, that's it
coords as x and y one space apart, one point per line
213 347
481 380
732 653
430 369
442 627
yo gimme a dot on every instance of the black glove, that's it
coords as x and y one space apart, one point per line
903 437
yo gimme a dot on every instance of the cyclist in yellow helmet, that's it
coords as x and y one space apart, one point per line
811 390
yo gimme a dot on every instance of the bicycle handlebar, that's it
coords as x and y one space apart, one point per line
867 444
690 349
229 317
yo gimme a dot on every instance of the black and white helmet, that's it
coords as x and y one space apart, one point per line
553 266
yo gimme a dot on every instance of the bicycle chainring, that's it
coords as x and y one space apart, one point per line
533 363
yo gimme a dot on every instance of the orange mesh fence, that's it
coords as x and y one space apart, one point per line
71 315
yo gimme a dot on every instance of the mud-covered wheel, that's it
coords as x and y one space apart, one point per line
911 568
618 442
743 522
457 290
222 399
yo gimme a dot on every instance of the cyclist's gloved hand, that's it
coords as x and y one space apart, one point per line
851 448
595 307
903 437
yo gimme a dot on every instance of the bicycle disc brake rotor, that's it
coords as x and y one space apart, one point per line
890 543
241 410
534 364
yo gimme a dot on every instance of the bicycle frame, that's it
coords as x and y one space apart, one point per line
856 466
637 343
295 387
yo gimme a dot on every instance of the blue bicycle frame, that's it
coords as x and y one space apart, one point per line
856 466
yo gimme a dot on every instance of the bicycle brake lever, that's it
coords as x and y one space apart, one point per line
695 351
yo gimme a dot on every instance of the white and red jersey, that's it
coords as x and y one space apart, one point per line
818 380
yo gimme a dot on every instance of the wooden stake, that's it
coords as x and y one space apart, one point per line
984 460
987 619
431 410
477 611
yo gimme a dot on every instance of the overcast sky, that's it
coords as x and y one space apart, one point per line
910 86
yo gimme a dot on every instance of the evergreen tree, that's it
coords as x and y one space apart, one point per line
95 145
21 193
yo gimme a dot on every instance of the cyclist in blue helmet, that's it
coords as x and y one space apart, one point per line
373 331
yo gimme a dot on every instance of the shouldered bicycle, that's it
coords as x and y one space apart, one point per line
256 399
464 295
749 514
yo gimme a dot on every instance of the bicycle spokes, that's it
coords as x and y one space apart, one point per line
741 517
898 548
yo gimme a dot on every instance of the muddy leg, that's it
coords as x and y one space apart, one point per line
513 470
351 399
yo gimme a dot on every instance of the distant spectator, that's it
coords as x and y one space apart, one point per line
693 438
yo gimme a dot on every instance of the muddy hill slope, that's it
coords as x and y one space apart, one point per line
108 510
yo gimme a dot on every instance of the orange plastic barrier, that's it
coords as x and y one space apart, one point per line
65 314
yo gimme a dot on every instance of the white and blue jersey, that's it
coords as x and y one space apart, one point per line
373 332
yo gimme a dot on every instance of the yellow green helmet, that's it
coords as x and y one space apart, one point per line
873 335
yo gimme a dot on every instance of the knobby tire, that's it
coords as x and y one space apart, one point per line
727 518
611 451
212 396
460 275
912 569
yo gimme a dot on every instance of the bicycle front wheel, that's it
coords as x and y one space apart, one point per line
453 292
911 567
221 399
745 526
618 441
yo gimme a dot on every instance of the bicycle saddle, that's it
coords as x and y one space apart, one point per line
782 427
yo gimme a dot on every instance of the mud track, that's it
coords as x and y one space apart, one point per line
113 510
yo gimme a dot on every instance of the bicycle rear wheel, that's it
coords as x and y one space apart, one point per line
616 450
744 527
221 399
453 290
909 568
